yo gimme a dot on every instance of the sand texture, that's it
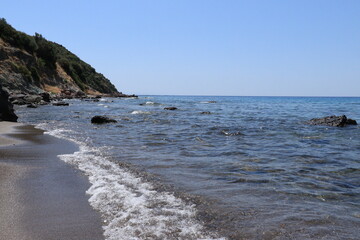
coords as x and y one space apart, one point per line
42 197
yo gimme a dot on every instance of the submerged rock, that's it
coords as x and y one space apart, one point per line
6 108
227 133
170 108
205 113
102 119
333 121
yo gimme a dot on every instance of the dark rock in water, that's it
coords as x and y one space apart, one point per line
205 113
102 119
170 108
351 122
333 121
6 108
32 105
61 104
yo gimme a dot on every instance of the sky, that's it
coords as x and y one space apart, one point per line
206 47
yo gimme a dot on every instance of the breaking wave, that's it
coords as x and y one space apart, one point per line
131 208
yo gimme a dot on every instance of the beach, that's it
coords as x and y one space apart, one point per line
41 197
251 169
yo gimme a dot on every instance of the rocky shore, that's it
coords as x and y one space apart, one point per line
32 100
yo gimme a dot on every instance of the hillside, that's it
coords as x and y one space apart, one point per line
32 64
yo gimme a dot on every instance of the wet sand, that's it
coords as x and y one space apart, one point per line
42 197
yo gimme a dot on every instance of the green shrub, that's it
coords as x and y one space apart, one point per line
34 74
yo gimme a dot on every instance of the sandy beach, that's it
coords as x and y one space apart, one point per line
42 197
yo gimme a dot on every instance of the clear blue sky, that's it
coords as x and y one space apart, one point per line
205 47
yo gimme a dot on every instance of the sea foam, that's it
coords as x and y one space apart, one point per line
130 207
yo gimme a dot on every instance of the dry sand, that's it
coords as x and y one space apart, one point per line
41 197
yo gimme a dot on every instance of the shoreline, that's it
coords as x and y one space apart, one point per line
42 197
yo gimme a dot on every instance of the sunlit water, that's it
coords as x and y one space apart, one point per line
251 169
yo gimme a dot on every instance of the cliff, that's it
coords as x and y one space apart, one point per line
32 65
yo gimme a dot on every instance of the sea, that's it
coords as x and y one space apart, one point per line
217 167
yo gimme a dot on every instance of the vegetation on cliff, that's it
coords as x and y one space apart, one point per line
33 63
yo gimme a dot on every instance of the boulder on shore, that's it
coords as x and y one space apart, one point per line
333 121
6 108
102 119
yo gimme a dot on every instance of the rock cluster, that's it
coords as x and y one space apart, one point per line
333 121
28 99
32 100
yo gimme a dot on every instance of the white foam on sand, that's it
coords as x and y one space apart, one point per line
131 208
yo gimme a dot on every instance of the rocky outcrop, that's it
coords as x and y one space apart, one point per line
102 119
6 108
333 121
34 65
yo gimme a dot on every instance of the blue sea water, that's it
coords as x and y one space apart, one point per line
251 169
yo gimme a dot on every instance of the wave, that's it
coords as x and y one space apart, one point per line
140 112
130 207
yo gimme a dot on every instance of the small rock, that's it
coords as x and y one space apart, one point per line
102 119
205 113
61 104
45 96
170 108
32 105
42 102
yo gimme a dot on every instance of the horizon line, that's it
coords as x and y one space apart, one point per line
213 95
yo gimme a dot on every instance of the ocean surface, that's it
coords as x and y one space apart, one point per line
251 169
